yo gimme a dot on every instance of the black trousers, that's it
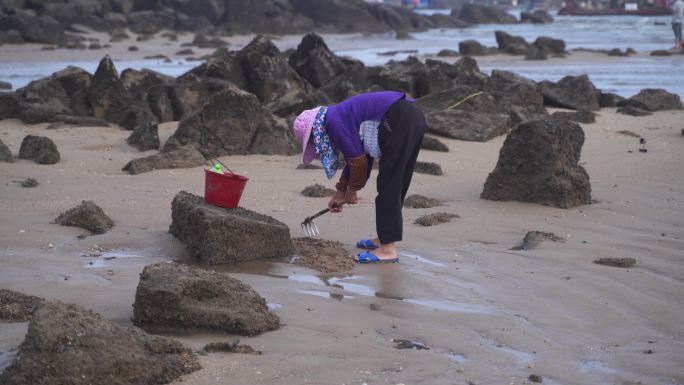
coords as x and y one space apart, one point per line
399 137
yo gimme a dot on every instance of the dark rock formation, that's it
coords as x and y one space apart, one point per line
513 90
110 100
431 143
653 99
67 344
475 48
417 201
234 122
182 157
549 45
513 45
481 14
429 168
537 17
87 216
466 125
40 149
633 111
572 92
5 153
31 28
317 191
5 86
17 307
435 219
29 183
407 76
9 106
175 298
538 163
152 88
616 262
608 99
577 116
145 137
217 235
448 53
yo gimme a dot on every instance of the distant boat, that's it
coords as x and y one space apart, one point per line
630 9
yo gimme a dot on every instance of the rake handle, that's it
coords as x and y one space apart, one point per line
318 214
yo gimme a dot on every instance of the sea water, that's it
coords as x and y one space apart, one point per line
624 76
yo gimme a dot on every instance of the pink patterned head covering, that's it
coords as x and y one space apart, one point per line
302 129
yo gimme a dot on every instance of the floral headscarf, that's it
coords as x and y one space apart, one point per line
324 146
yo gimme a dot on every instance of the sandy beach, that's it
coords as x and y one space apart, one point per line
490 315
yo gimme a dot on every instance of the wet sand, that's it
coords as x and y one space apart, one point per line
489 314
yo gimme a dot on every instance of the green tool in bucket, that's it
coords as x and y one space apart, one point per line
223 189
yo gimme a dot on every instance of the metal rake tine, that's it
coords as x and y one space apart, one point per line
315 228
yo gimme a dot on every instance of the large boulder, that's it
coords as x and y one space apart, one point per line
539 163
653 99
539 16
463 98
400 76
467 125
110 100
514 90
475 48
5 153
229 123
33 29
182 157
482 14
151 88
67 344
40 149
572 92
549 45
145 137
273 80
175 298
9 106
514 45
216 235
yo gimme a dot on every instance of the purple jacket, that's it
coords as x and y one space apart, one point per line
342 122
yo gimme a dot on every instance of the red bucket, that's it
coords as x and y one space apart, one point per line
223 190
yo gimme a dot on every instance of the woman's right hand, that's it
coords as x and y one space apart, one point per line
336 202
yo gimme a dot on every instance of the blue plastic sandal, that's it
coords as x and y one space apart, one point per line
368 257
366 244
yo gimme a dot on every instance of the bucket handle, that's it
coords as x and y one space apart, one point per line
224 166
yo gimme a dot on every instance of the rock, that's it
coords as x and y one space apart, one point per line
110 100
572 92
549 45
186 51
537 17
230 346
628 133
40 149
408 344
76 121
273 80
534 238
33 29
608 99
653 99
145 137
428 168
375 307
11 36
448 53
616 262
481 14
513 45
17 307
5 86
87 216
9 106
475 48
217 235
318 191
535 378
536 54
633 111
460 98
577 116
203 41
234 122
470 126
435 219
5 153
176 298
661 52
310 166
617 52
514 90
133 48
67 344
416 201
29 183
182 157
433 144
322 255
538 163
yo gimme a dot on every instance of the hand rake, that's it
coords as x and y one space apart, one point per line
309 226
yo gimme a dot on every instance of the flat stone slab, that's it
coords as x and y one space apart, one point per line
175 298
216 235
